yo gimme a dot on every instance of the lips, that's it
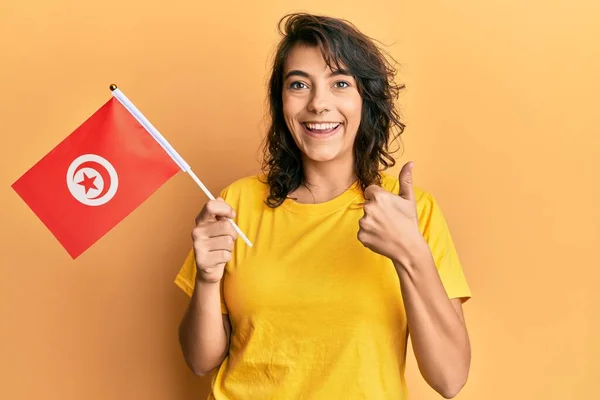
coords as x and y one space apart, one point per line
321 127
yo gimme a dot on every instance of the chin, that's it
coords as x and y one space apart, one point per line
322 155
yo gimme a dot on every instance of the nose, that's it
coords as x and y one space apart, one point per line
320 100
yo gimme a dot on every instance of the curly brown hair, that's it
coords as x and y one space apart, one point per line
341 44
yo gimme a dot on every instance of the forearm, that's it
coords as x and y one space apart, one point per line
202 333
439 336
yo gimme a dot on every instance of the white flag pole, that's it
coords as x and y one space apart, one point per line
168 148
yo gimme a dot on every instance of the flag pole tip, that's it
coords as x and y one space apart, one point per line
113 87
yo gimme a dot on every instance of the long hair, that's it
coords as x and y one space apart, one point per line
340 43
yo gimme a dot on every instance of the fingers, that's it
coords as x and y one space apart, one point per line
220 243
366 231
213 229
405 179
372 191
372 194
213 209
365 224
212 251
213 258
214 238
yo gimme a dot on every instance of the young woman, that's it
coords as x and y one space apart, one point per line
346 261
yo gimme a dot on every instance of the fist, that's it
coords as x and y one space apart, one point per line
389 225
213 239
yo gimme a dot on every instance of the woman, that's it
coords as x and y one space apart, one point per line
346 260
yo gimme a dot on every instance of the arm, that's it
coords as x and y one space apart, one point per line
204 332
437 327
391 227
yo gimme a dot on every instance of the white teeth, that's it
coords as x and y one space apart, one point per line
323 127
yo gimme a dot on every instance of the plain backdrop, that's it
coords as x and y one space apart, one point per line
501 108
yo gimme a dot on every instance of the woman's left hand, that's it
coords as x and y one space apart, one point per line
390 224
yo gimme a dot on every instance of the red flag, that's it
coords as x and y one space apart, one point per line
95 177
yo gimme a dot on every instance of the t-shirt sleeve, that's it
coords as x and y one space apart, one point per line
435 230
186 277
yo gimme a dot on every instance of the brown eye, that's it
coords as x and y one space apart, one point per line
342 84
297 85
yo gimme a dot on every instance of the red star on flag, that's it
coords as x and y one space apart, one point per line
88 183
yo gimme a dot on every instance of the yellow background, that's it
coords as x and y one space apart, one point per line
502 113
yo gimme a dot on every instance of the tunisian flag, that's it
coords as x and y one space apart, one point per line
95 177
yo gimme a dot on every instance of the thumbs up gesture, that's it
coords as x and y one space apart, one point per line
390 224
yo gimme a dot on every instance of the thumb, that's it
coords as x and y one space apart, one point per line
405 179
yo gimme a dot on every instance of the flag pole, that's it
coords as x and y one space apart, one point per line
168 148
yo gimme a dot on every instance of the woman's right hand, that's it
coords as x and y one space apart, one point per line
213 239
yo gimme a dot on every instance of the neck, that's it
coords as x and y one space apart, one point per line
324 181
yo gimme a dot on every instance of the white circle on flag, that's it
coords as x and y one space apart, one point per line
92 180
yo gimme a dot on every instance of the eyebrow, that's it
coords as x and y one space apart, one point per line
297 72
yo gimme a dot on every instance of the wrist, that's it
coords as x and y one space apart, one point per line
412 255
207 294
206 285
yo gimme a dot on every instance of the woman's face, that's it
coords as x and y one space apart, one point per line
322 108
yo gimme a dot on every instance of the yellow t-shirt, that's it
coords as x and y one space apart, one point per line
315 314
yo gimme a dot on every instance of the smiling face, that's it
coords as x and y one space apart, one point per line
322 107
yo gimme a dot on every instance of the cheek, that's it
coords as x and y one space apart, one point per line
288 113
352 110
292 106
352 105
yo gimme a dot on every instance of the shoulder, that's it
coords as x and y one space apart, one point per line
429 212
247 188
423 197
436 232
432 222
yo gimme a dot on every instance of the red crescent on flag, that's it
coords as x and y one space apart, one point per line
102 171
